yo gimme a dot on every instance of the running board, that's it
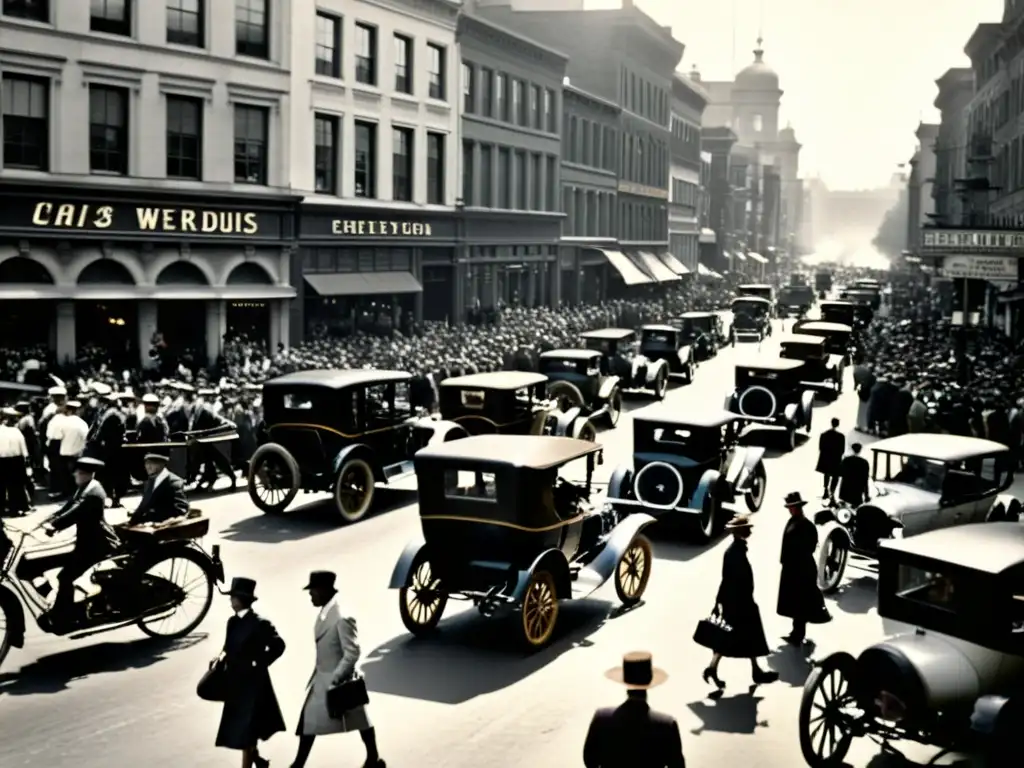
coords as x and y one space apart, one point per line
399 470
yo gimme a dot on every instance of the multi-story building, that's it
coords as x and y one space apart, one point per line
719 142
920 183
511 193
685 185
145 175
956 87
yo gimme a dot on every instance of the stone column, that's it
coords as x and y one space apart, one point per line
417 271
217 326
147 327
493 297
64 330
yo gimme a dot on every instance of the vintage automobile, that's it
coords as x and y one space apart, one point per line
504 527
954 677
866 297
688 468
822 282
751 317
823 372
920 481
664 344
857 316
582 378
509 403
760 290
794 300
705 332
838 337
770 391
341 432
641 367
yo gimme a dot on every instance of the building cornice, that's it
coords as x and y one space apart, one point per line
489 33
686 90
591 98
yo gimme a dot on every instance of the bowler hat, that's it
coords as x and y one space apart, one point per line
241 587
321 580
637 672
89 464
794 499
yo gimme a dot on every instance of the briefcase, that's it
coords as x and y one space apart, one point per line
347 696
713 633
213 685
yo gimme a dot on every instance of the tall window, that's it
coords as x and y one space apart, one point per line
552 180
26 125
328 45
401 164
34 10
366 159
113 17
186 22
549 110
366 54
252 29
108 130
486 92
403 64
758 122
325 154
467 173
184 137
468 91
521 188
251 128
519 100
504 178
536 118
486 176
501 97
436 59
537 184
435 168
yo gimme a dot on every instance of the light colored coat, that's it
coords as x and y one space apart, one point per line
337 652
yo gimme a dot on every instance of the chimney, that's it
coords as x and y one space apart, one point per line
695 74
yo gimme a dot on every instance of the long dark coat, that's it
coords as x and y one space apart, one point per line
831 446
799 596
251 712
736 596
854 479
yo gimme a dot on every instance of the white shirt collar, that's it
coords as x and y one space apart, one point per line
327 607
242 613
160 477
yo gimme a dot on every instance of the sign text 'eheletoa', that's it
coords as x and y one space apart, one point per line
980 267
83 216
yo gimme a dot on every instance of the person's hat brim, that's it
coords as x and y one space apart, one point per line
658 677
238 593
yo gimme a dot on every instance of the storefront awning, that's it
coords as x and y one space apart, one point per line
707 272
708 236
363 283
739 256
653 265
670 261
758 257
630 272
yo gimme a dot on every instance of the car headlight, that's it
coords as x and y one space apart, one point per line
844 516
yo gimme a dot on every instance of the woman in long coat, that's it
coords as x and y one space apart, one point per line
736 607
799 596
251 713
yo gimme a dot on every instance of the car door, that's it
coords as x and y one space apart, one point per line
960 498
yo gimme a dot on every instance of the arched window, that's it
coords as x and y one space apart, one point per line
181 273
106 272
249 273
22 270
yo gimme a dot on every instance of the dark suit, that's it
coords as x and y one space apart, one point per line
854 473
152 429
799 596
206 420
107 438
632 735
161 502
831 446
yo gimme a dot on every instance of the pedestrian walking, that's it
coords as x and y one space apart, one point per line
14 499
854 474
799 596
863 382
337 653
632 735
736 606
251 713
831 447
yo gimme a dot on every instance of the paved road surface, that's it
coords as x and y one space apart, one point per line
464 699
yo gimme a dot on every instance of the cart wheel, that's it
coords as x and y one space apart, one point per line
754 497
828 712
633 571
614 407
353 490
539 611
660 386
274 478
832 561
421 602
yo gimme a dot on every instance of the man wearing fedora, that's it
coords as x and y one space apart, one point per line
799 596
337 652
632 735
163 493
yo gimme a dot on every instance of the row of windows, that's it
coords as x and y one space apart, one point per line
328 51
499 96
588 143
685 193
686 139
643 222
588 213
644 98
685 247
501 177
356 260
644 160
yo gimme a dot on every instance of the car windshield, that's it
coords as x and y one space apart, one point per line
758 308
925 474
663 338
928 586
692 325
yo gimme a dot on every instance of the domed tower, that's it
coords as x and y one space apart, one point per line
756 97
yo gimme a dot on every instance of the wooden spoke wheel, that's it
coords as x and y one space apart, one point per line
274 479
421 602
354 490
828 712
6 631
633 571
539 611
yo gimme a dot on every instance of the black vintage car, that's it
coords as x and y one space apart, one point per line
822 282
862 296
795 300
636 372
770 391
505 527
838 337
705 332
760 290
582 378
842 312
823 372
688 468
509 403
751 318
342 432
664 345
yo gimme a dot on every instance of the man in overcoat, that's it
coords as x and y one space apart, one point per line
799 596
831 446
854 474
633 735
337 652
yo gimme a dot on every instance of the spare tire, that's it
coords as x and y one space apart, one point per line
757 401
659 484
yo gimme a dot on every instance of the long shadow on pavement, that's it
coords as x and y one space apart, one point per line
772 440
55 673
858 595
891 760
792 663
728 714
671 542
469 655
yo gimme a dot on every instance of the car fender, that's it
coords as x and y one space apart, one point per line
791 413
404 562
807 406
358 451
15 614
730 403
441 431
603 566
563 425
741 466
687 354
621 482
1000 506
990 716
554 562
608 386
639 372
708 481
656 369
827 528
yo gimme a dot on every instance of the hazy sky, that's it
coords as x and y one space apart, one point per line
858 75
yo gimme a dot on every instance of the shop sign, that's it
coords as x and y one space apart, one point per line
980 267
380 228
971 240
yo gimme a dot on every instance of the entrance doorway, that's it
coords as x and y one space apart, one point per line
108 329
249 320
183 327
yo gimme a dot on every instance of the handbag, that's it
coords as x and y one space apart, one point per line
213 685
713 632
346 696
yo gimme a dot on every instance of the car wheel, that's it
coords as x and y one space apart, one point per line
583 429
791 438
827 715
614 407
538 613
708 522
567 394
832 559
633 571
354 489
660 386
274 479
421 602
754 496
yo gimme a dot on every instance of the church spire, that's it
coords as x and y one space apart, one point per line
759 51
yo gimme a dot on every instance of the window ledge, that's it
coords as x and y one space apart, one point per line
438 107
367 92
328 84
405 99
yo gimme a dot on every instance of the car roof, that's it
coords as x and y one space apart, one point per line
802 338
760 299
938 447
836 303
824 325
771 364
659 327
608 333
520 451
985 547
570 354
696 314
503 380
337 379
701 419
753 285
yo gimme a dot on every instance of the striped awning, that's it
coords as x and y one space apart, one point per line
630 272
674 264
656 268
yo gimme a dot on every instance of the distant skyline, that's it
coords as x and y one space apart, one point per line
858 76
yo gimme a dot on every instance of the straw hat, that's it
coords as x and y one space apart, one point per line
739 521
637 672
